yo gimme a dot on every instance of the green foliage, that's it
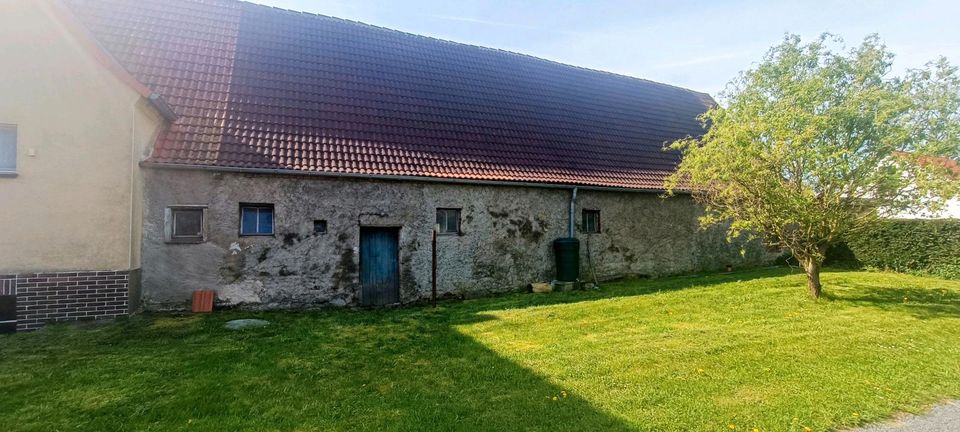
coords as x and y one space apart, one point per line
917 245
672 354
814 143
838 255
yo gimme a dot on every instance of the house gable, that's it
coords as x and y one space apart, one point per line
81 129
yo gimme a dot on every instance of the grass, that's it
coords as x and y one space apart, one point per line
719 352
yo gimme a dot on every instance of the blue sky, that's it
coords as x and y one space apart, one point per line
695 44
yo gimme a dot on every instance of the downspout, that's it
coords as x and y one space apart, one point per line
133 173
433 276
167 113
573 207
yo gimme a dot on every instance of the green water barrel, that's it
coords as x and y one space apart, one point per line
567 251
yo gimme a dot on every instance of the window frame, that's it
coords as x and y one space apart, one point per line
170 224
12 172
459 213
596 221
259 207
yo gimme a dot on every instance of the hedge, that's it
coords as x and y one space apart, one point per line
925 246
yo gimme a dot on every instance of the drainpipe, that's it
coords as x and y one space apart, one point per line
573 206
433 277
133 180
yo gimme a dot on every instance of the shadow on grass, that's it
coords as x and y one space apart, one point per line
399 369
618 288
926 302
922 303
330 370
395 369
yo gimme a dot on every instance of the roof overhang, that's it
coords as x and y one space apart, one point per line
447 180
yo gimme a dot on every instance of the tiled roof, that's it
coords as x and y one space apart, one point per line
259 87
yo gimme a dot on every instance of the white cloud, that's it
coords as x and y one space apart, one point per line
705 60
483 22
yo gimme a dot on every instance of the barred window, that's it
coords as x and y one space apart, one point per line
591 222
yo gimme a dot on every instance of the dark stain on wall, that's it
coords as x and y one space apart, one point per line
284 271
264 254
347 268
232 268
408 281
502 214
289 239
527 232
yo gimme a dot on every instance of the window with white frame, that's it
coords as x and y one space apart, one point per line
256 219
8 149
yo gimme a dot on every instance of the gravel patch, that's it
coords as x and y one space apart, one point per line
942 418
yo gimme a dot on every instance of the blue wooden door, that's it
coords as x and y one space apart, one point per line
379 266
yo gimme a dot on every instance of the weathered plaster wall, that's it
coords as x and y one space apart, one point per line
74 203
505 244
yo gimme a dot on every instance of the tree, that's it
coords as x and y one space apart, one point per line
818 140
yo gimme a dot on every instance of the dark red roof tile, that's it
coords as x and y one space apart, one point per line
260 87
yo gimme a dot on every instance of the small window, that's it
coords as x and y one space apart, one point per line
449 220
187 224
256 219
184 224
591 221
8 149
319 227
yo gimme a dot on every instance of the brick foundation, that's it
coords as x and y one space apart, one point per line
67 296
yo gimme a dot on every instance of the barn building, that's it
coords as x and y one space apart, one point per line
286 160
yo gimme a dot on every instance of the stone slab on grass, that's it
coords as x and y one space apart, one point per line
241 324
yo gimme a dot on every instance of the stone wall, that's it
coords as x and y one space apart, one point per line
66 296
505 244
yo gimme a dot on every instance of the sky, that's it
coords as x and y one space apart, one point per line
700 45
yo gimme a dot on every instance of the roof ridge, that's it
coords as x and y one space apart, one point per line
480 47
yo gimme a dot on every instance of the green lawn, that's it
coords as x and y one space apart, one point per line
741 351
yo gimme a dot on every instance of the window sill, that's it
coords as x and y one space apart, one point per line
258 235
10 174
450 234
185 241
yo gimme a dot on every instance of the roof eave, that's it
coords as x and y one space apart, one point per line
448 180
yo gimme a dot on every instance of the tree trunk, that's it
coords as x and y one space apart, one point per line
812 267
